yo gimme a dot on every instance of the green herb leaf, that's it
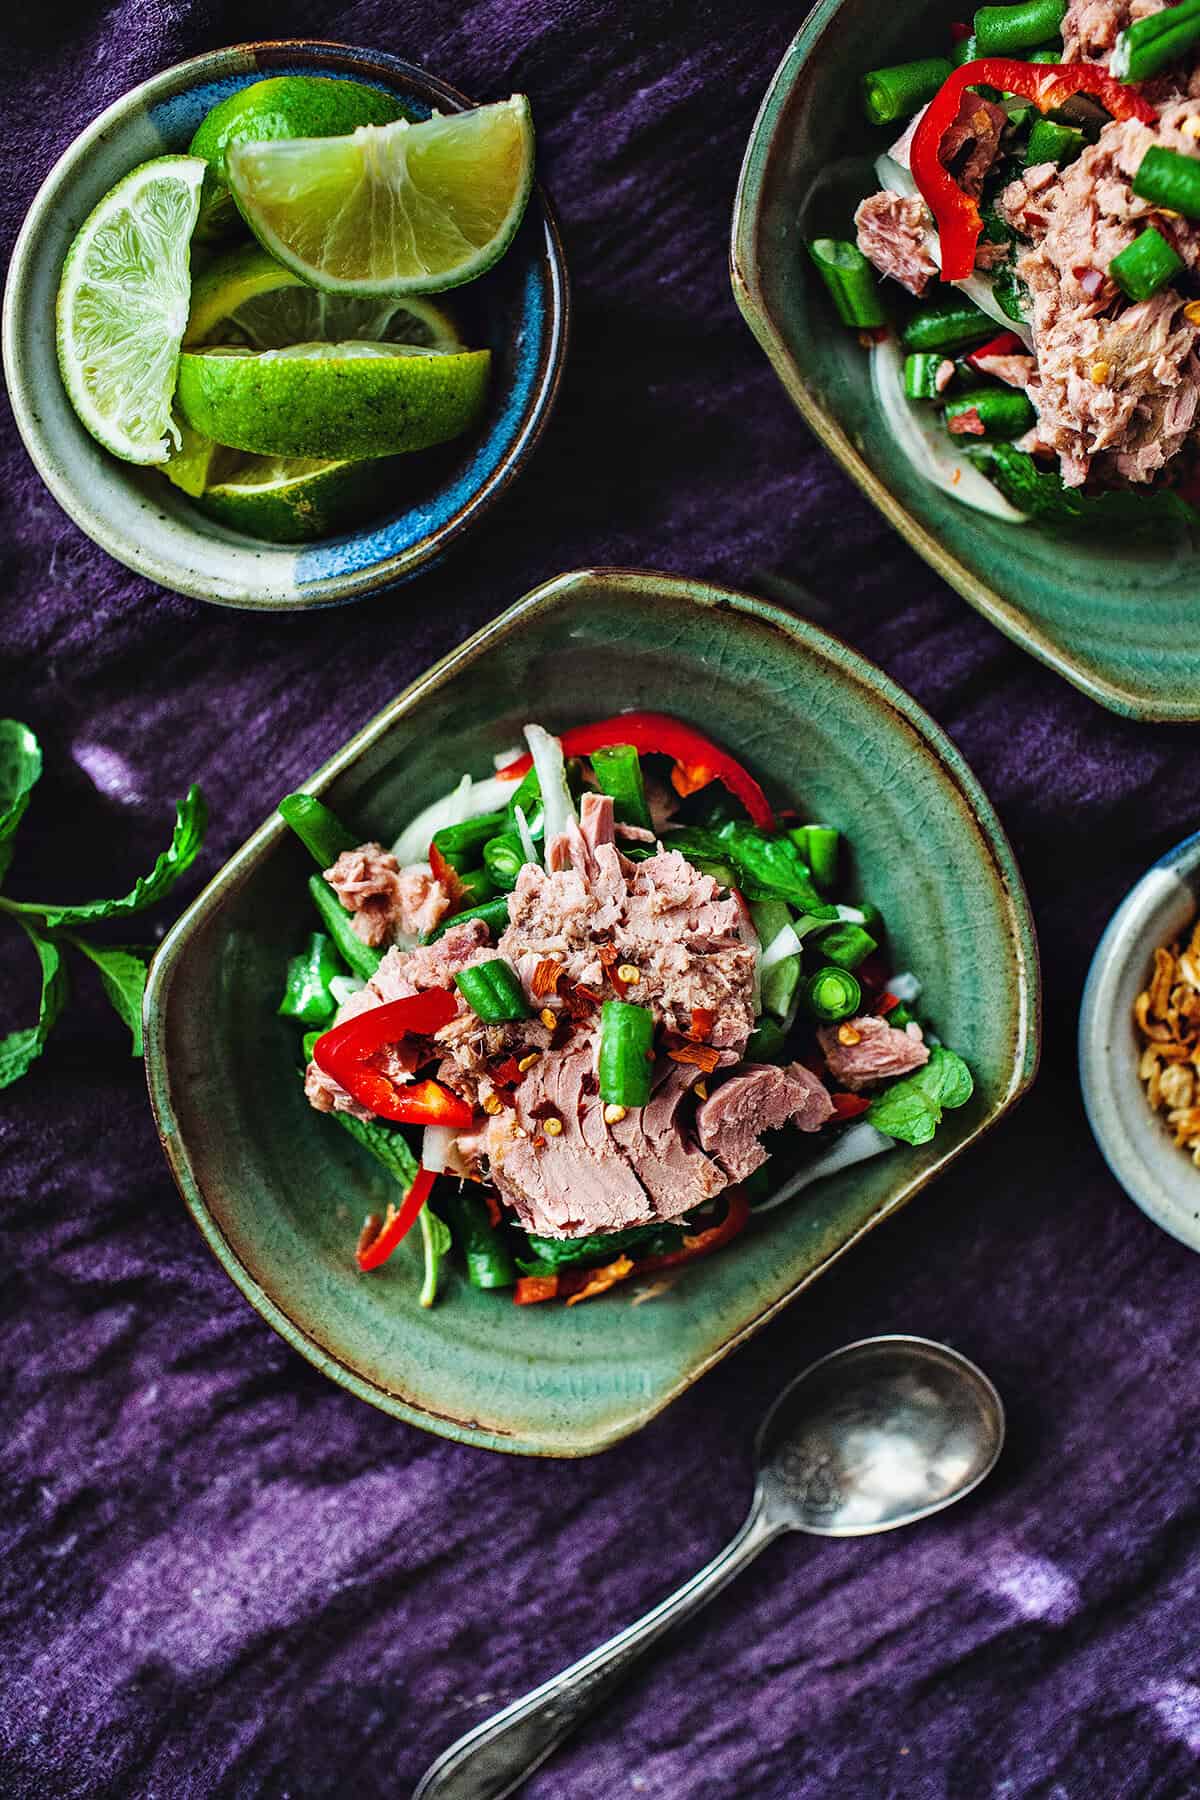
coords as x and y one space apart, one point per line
911 1108
20 1048
20 766
548 1255
123 975
436 1242
1040 492
191 819
386 1145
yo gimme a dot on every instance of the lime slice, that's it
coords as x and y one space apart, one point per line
392 209
339 401
123 305
290 500
190 466
286 106
246 298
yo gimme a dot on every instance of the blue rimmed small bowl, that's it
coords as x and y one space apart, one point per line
519 310
1133 1139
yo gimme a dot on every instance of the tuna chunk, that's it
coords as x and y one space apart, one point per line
385 899
970 146
1117 386
892 233
591 1176
1012 368
759 1098
1090 27
880 1052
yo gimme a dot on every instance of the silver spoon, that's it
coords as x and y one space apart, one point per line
879 1434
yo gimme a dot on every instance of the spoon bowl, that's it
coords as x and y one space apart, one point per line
877 1435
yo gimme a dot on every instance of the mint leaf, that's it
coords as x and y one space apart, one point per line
20 766
20 1048
123 976
190 821
436 1242
1041 494
911 1108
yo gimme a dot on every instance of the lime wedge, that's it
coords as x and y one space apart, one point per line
391 209
290 500
190 466
246 298
286 106
123 305
332 400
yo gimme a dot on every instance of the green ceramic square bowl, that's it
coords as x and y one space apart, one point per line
279 1194
1119 619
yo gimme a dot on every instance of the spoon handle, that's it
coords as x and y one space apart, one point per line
499 1754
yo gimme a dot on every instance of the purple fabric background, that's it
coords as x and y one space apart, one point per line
220 1575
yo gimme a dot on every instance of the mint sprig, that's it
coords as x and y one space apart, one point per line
51 926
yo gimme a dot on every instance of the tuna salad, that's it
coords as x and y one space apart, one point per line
619 998
1034 347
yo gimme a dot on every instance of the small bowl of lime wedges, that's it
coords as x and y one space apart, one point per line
285 320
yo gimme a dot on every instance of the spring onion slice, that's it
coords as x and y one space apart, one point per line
905 986
894 175
342 986
436 1145
854 1145
930 449
551 768
528 847
469 800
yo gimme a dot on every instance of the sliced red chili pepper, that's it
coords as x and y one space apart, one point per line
532 1288
448 876
703 1243
397 1225
343 1053
698 761
885 1004
959 29
703 1020
1007 343
508 1074
956 213
849 1106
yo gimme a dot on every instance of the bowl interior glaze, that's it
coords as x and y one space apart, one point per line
280 1193
518 310
1118 617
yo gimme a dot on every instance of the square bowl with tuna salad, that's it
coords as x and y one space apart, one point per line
559 1031
971 248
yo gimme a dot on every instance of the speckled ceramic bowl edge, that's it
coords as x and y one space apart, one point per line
1133 1140
336 588
999 860
745 278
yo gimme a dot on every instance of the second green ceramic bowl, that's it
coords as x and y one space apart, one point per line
280 1193
1121 620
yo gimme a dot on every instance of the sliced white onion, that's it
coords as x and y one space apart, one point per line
557 805
502 758
785 943
854 1145
894 176
906 987
926 444
436 1146
342 986
851 915
528 847
469 800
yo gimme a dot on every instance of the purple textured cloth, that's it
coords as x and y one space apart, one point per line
222 1576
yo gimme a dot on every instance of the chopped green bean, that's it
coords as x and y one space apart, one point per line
1150 45
966 50
626 1057
358 956
1169 179
846 945
462 845
477 885
494 914
922 375
1050 142
1146 265
618 771
504 858
832 994
1002 412
902 89
306 994
488 1258
493 991
319 830
852 282
781 980
1005 30
946 325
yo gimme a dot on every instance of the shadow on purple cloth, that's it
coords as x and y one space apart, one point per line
220 1575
